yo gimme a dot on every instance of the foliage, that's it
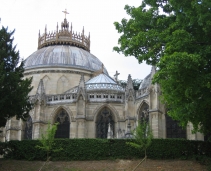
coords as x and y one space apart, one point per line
14 89
143 137
136 83
175 37
47 140
99 149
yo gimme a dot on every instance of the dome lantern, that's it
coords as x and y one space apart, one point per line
65 36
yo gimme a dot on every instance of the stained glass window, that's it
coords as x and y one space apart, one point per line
28 129
104 118
173 130
63 129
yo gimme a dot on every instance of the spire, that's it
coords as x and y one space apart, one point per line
83 31
39 34
89 36
82 82
129 92
46 29
129 82
153 70
40 88
57 28
81 88
40 94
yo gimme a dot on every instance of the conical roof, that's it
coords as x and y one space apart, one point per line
102 82
101 78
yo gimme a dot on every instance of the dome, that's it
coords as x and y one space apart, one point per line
102 82
63 56
146 82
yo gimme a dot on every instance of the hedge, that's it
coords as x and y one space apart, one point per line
98 149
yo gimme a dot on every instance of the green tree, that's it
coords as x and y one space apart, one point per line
47 140
143 138
175 37
136 83
14 88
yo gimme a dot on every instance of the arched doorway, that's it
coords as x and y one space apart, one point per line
63 129
173 130
144 113
28 129
104 118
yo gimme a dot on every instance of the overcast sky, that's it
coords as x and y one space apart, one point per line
27 17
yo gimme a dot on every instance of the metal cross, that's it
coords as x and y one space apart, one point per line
116 75
65 12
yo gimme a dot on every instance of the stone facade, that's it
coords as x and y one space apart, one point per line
72 87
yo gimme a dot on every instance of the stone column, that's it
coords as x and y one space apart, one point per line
12 129
81 128
193 136
73 129
156 123
37 130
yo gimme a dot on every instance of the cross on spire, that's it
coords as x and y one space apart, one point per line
65 12
116 76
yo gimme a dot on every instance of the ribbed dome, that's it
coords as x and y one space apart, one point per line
63 56
102 82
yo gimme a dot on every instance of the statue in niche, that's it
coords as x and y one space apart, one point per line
144 113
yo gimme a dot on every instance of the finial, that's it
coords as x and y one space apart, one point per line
83 31
39 34
57 27
89 36
71 27
46 29
65 12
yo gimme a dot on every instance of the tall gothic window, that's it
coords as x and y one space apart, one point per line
173 130
28 129
103 120
63 129
144 113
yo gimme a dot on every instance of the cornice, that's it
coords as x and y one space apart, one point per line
55 71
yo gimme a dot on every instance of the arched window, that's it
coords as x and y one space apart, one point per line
63 129
144 113
28 129
104 118
173 130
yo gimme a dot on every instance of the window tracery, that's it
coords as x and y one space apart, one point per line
28 129
173 130
104 118
63 129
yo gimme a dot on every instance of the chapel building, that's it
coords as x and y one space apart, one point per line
72 87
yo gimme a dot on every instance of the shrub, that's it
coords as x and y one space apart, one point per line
98 149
